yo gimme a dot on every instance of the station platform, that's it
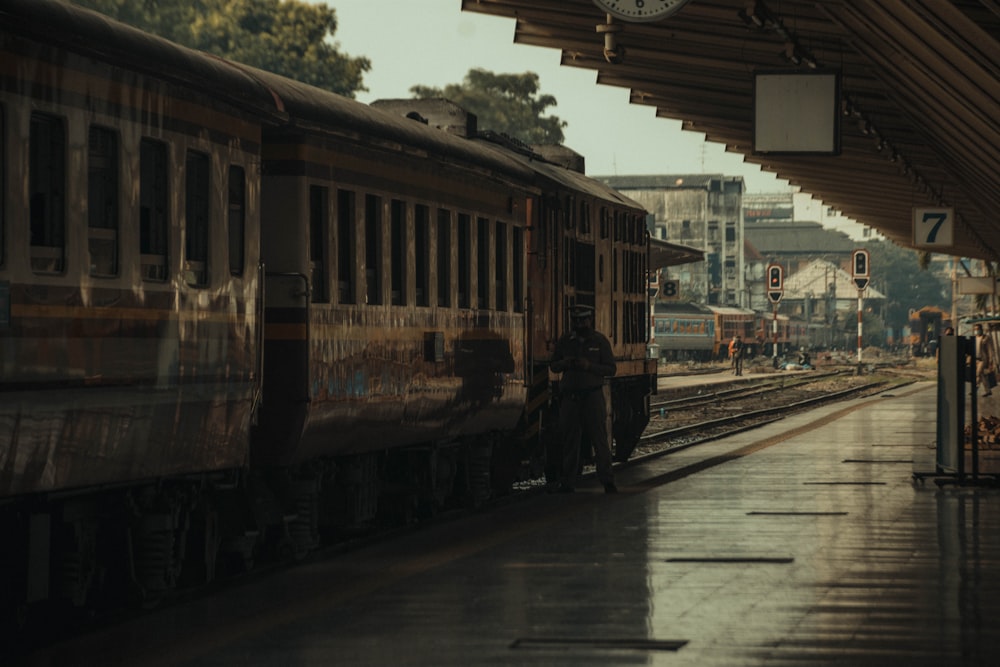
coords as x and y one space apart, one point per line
804 542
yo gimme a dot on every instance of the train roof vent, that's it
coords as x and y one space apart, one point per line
438 113
561 155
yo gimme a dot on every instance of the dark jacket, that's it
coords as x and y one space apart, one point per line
584 360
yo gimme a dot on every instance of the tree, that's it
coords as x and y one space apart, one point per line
897 273
287 37
506 103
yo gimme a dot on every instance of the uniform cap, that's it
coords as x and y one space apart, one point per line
580 311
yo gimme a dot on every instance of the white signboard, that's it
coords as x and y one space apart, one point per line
933 227
974 285
796 112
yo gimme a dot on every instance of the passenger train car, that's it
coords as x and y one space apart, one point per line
694 332
238 312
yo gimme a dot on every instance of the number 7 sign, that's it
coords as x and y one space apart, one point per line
933 227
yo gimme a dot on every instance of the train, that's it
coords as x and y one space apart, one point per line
239 314
688 331
926 326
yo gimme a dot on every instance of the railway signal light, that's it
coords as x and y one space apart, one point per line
775 282
860 268
775 277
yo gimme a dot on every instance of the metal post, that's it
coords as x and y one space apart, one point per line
774 331
860 292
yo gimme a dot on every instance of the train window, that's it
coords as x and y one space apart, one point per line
517 253
319 215
638 287
3 187
614 269
632 269
621 277
614 321
502 265
47 193
102 201
197 207
237 219
421 244
346 237
373 249
586 267
569 260
444 257
626 322
397 232
633 273
464 255
483 263
153 225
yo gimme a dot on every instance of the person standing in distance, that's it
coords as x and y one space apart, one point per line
985 358
736 354
584 358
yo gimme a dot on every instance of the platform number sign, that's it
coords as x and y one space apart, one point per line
775 282
860 268
670 289
933 227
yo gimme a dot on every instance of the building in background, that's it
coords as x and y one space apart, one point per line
798 206
704 211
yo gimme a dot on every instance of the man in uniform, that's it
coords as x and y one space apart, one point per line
584 358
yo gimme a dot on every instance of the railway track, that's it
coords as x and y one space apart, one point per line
747 389
692 420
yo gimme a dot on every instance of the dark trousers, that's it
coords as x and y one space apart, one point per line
579 413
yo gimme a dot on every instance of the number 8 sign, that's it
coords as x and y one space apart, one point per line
933 227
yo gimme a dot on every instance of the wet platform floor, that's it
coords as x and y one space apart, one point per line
805 542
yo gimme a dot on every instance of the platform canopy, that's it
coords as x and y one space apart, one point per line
663 254
919 94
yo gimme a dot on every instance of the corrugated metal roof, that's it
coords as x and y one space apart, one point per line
920 90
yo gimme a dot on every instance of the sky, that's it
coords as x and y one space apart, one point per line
434 43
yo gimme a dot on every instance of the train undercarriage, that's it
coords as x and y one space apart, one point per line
133 546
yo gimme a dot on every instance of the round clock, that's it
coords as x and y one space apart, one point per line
640 10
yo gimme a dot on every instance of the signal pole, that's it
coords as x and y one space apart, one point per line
860 301
861 272
775 290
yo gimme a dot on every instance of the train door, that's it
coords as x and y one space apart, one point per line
295 218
